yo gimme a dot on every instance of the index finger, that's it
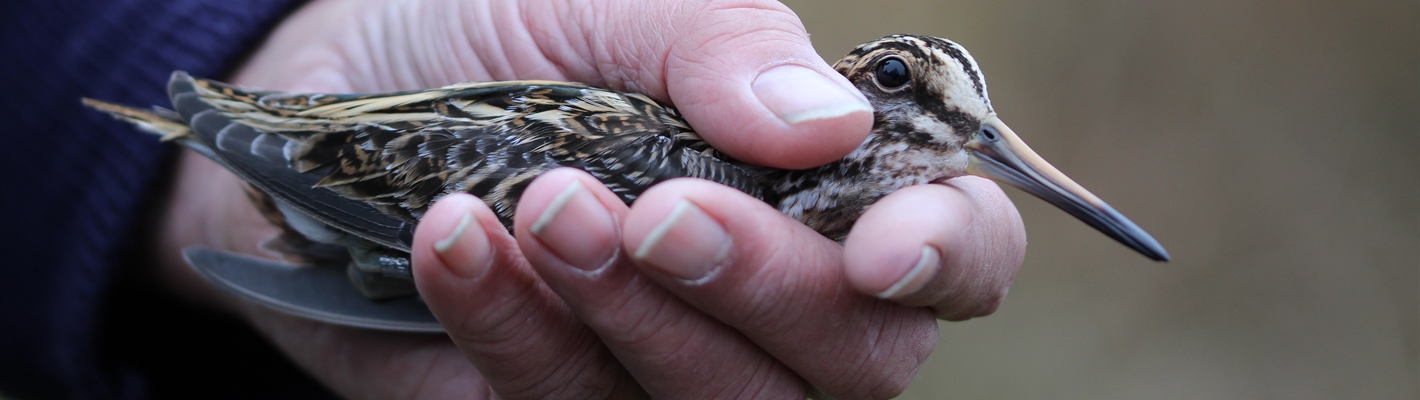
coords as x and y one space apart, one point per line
955 247
780 284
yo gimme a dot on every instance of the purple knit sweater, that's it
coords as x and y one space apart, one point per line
75 187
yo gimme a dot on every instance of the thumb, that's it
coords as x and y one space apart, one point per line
743 73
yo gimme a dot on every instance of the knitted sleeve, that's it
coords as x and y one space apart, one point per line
75 182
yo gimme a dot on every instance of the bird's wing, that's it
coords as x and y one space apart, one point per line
220 116
371 164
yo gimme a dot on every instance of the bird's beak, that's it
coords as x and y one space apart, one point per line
997 153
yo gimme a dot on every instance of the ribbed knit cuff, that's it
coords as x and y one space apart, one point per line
75 180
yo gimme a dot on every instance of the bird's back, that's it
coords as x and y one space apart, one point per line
371 164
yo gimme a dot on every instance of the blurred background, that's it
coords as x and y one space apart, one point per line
1272 146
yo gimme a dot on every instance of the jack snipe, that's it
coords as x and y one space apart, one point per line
359 170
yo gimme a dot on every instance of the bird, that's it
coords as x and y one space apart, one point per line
358 171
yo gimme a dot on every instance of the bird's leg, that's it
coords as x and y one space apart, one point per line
379 273
377 287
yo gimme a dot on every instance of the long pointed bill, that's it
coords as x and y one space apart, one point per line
997 153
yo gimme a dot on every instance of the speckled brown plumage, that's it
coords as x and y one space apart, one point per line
370 165
398 152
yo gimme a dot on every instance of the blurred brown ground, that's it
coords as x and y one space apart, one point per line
1272 146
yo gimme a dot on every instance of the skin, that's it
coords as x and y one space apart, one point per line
777 311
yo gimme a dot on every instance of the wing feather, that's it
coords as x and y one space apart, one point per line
371 164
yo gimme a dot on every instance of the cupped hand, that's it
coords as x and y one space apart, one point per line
696 291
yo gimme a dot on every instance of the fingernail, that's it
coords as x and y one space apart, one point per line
797 94
578 229
442 246
927 265
688 244
466 250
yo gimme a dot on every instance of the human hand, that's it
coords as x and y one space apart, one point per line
777 309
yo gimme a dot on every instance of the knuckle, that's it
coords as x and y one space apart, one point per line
775 294
890 355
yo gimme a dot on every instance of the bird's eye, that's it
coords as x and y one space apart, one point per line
891 73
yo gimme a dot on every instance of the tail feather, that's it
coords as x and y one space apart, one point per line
292 245
160 121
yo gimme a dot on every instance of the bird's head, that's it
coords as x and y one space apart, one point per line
933 116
